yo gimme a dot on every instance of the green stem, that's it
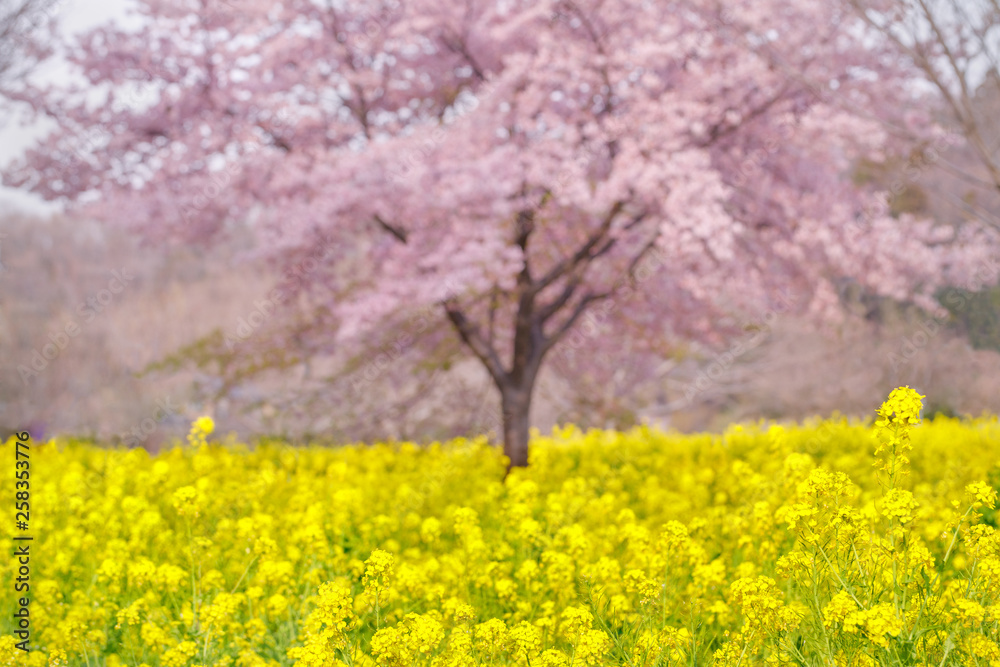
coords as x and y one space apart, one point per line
204 649
746 645
194 585
244 574
837 574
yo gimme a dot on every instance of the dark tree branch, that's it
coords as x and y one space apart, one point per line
400 234
722 129
567 264
649 245
578 310
550 309
584 262
527 330
494 305
458 46
545 313
469 333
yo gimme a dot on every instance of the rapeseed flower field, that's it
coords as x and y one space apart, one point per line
830 543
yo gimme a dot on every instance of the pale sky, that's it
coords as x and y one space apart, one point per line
75 15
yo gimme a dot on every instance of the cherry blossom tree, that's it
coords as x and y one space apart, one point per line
514 170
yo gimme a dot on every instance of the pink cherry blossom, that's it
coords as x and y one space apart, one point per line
509 166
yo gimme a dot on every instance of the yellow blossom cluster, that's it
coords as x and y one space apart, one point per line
763 545
200 430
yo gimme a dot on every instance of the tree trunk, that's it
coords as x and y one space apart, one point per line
516 405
